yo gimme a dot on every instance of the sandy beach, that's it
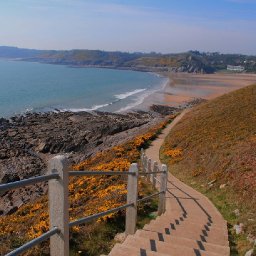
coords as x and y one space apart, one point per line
183 87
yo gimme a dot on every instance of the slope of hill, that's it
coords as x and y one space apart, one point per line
214 149
192 61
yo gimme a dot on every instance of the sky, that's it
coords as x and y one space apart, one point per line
166 26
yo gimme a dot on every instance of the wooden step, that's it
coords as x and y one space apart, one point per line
223 250
165 248
123 250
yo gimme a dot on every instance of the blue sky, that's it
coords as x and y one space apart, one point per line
166 26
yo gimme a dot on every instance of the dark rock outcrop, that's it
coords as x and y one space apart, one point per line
27 142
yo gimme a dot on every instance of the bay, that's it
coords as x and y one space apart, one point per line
37 87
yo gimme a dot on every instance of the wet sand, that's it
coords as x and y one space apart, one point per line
184 87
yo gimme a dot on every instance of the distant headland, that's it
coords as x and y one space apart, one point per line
190 62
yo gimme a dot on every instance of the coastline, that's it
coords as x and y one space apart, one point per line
178 90
183 88
29 141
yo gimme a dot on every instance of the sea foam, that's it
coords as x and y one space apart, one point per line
128 94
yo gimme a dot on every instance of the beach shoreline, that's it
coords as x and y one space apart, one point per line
183 88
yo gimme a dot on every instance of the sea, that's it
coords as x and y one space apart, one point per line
36 87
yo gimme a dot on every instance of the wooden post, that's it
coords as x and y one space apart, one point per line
58 206
163 188
149 169
132 197
155 169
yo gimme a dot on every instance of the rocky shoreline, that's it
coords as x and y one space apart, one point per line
27 142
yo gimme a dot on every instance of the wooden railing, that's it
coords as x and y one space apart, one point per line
58 180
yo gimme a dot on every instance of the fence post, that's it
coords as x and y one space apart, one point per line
142 153
145 163
163 188
149 169
142 156
132 197
155 169
58 206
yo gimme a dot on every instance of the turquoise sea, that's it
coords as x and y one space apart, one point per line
30 86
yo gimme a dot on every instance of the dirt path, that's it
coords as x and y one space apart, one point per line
191 224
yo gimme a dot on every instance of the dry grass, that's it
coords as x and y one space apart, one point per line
218 142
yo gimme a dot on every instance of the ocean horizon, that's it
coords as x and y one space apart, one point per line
35 87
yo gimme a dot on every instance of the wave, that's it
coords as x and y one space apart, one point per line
140 99
95 107
128 94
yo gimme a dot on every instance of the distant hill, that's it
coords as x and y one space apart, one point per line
192 61
214 149
15 53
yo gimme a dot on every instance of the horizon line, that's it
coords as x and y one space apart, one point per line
130 52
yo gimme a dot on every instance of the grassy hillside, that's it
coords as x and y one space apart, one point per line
214 145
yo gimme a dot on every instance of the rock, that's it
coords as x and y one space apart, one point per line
12 210
251 239
10 177
12 133
27 142
249 253
223 186
120 237
237 212
163 110
41 147
3 154
239 228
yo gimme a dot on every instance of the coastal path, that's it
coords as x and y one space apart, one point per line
191 225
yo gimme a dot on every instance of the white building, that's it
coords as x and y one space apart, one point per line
235 68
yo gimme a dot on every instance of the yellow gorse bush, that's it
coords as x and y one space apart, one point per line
177 152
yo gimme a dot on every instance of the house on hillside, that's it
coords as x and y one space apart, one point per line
235 68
